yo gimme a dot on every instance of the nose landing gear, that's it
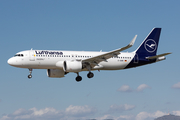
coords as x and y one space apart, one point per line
30 72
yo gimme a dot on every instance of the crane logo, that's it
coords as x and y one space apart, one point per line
150 45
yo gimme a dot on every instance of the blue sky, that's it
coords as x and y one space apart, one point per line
142 93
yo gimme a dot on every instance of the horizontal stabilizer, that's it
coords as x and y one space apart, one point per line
157 56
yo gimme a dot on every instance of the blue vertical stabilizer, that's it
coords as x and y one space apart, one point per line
147 49
150 44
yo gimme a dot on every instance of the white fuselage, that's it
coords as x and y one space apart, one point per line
48 59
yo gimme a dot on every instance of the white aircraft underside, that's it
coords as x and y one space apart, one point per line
59 63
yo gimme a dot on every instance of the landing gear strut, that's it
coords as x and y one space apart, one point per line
90 74
30 72
78 78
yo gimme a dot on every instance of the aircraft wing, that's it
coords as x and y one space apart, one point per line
103 57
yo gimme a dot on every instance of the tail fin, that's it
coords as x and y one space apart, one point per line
149 46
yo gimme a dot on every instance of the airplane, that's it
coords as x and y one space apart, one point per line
59 63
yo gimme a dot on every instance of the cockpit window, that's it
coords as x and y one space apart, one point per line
18 55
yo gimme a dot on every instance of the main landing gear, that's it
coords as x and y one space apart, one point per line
79 78
90 75
30 73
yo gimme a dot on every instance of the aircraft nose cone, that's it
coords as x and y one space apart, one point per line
10 61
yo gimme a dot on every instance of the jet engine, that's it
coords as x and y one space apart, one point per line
72 66
55 73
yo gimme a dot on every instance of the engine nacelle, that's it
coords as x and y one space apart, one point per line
72 66
55 73
59 64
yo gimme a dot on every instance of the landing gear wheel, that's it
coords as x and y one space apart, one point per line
30 71
78 78
90 75
29 76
